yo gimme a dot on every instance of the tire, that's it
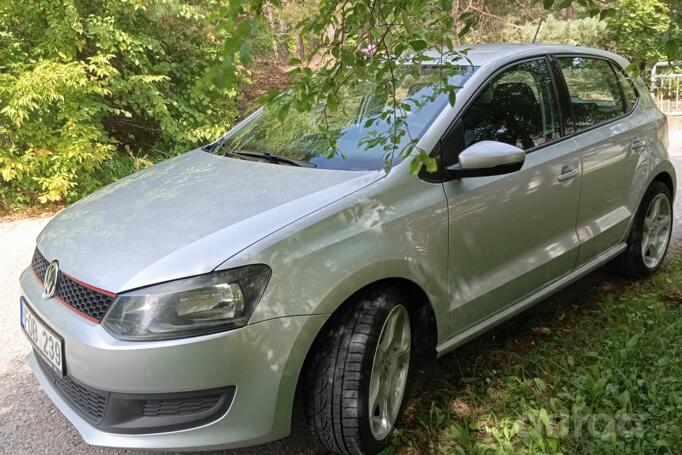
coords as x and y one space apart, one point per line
338 376
633 263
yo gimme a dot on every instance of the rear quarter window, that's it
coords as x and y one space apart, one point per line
629 90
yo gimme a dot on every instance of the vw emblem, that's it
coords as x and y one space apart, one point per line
51 278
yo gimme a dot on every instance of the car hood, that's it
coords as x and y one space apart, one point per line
184 217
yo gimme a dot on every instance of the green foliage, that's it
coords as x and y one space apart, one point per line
358 43
597 372
87 84
583 31
638 28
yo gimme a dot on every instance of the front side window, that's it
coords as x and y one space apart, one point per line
518 107
594 90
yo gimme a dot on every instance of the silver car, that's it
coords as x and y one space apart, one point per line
187 306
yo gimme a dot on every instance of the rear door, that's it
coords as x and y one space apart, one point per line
511 235
612 134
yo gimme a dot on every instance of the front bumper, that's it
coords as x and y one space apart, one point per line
260 362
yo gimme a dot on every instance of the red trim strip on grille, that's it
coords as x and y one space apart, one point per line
59 299
79 313
36 275
92 288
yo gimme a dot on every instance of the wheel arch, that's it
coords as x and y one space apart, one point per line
420 307
666 178
664 172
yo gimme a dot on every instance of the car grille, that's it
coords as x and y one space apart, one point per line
131 413
83 299
155 408
90 403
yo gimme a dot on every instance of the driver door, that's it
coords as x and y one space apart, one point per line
510 235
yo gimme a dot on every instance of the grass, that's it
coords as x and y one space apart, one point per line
596 369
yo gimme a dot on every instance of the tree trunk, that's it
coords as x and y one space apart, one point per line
300 48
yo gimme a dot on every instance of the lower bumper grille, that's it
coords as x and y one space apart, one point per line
141 413
156 408
88 402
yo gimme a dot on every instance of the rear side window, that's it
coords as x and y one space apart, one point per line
518 107
594 89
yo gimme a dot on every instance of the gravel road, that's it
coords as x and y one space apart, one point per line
30 424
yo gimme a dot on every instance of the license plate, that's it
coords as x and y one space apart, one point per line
48 344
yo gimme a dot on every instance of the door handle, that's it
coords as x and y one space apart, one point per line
638 144
568 172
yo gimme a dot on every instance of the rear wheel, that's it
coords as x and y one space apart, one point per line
650 234
358 376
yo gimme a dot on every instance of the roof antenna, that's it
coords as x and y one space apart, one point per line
537 30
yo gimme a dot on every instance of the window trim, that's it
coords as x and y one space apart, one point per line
560 94
623 101
617 69
564 94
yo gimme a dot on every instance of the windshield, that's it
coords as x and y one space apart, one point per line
299 138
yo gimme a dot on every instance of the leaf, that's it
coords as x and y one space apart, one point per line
464 30
606 13
544 418
416 165
452 98
458 433
245 52
418 45
631 342
548 4
347 57
632 70
671 49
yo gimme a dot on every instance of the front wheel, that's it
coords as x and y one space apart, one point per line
650 234
358 376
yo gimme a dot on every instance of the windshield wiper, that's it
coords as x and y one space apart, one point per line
216 147
271 157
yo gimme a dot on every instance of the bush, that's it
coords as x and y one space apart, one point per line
91 90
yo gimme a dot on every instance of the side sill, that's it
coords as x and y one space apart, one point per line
523 304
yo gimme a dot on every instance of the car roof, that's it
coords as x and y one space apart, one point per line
499 54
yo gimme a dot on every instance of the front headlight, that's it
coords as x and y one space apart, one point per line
192 306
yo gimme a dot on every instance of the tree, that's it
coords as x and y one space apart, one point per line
365 41
638 28
84 84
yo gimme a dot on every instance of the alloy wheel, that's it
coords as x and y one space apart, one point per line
656 230
389 372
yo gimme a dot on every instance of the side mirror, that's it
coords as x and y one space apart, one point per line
487 158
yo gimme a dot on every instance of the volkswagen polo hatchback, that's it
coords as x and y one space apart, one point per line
186 306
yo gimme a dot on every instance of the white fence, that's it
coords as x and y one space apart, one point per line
665 87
